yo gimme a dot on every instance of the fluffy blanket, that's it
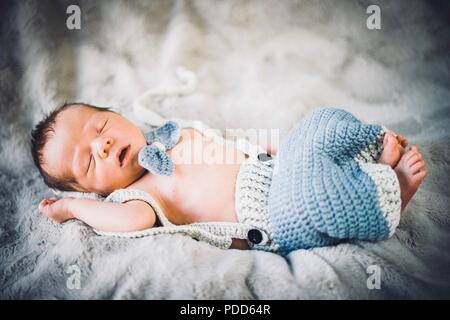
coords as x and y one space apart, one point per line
260 64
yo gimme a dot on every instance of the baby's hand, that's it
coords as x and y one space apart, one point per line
57 209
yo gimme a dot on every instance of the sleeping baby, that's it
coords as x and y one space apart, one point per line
334 178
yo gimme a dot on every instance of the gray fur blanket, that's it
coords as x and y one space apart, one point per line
260 64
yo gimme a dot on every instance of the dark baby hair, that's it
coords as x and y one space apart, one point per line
39 137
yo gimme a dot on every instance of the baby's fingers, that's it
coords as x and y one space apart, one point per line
45 203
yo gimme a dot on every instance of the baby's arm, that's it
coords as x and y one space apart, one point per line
132 215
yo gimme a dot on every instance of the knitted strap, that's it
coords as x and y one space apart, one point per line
124 195
194 232
252 190
219 234
241 144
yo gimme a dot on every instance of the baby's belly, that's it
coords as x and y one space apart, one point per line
204 184
205 194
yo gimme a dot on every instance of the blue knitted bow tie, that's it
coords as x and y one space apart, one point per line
153 157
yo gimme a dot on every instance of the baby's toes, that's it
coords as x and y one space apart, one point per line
401 150
414 158
405 143
417 166
389 139
402 140
406 156
422 173
411 153
418 177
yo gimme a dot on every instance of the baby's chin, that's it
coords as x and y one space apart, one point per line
122 181
137 173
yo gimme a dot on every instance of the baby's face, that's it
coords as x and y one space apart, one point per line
98 149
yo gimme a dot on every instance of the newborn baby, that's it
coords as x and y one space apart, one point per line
236 204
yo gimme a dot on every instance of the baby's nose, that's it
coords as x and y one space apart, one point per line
105 147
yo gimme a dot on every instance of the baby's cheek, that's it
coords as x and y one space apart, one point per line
109 180
105 183
113 181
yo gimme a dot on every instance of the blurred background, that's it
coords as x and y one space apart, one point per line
259 64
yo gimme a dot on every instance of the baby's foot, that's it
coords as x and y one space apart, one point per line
411 171
393 149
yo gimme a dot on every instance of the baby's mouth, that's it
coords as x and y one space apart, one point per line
123 156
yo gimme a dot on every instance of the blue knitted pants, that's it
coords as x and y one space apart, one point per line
327 186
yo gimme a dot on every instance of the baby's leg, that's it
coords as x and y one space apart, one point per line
411 171
393 149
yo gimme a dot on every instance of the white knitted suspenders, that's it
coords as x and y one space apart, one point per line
219 234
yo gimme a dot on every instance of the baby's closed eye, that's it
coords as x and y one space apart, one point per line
103 127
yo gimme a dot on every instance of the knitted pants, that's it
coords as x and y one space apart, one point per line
323 187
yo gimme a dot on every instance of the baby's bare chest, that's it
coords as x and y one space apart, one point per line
202 187
205 173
